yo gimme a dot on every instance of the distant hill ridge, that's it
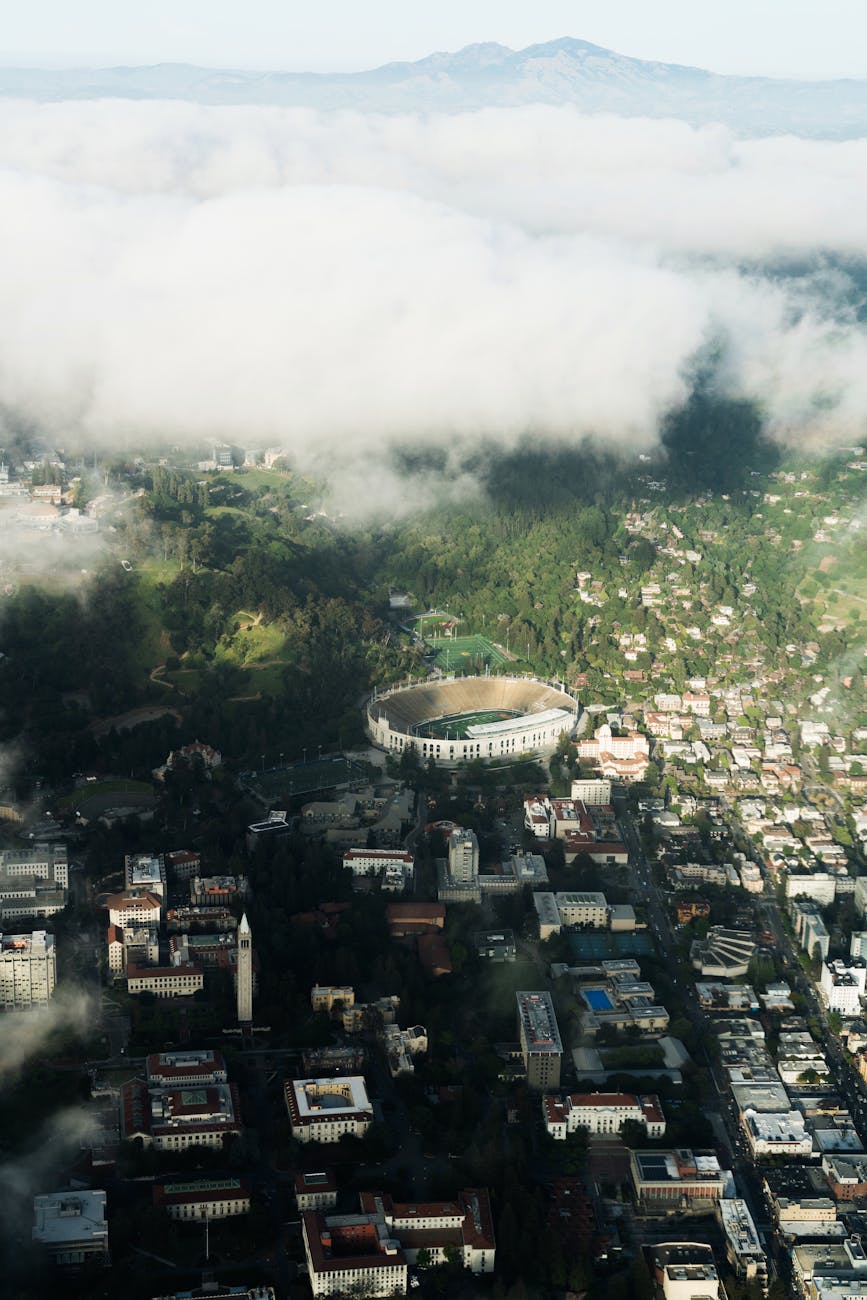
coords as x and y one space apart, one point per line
565 71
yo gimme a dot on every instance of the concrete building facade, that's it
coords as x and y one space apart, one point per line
28 970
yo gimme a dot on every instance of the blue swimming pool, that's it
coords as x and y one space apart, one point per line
598 1000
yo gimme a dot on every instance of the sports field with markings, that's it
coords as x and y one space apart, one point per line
459 653
456 726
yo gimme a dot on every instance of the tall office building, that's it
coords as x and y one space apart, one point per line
541 1046
28 969
245 972
463 857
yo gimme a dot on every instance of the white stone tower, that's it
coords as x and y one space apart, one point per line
245 972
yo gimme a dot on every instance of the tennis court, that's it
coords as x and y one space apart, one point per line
599 945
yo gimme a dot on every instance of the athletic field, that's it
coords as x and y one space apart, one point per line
457 654
456 726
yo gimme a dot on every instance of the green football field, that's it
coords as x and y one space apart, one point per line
459 653
456 725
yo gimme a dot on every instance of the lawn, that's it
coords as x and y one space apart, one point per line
252 643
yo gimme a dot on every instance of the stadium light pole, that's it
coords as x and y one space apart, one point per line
304 752
263 762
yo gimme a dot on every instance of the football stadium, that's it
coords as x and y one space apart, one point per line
458 719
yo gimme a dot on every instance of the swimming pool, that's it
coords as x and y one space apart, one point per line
597 1000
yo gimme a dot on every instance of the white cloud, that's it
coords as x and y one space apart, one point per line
27 1033
339 283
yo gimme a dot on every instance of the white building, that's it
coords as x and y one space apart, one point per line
582 908
692 1281
323 1110
133 908
71 1227
601 1112
818 885
28 969
842 985
380 862
592 792
776 1134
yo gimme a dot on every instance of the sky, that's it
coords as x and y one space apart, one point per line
779 38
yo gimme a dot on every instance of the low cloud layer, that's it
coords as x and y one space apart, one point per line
28 1033
341 284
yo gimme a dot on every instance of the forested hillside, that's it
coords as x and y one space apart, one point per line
261 622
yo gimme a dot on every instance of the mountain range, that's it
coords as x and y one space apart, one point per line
566 71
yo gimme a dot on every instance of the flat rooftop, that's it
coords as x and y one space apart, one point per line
536 1013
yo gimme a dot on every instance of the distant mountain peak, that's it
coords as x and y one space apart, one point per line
563 71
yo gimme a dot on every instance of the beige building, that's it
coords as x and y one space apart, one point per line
28 969
539 1036
133 908
180 981
324 997
324 1110
203 1198
316 1191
